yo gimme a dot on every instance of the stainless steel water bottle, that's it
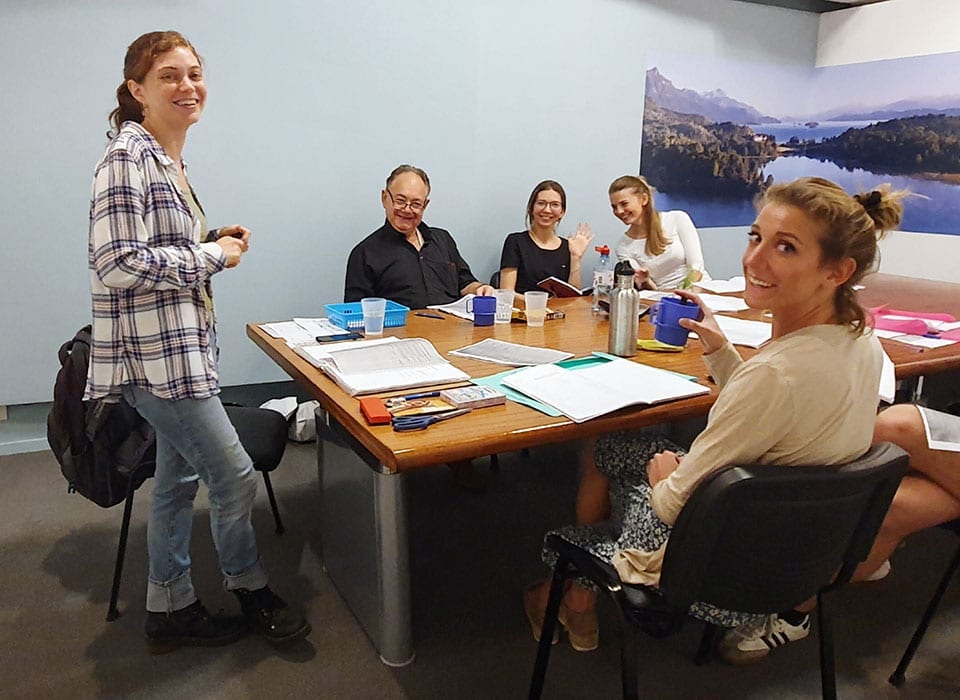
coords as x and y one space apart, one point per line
624 313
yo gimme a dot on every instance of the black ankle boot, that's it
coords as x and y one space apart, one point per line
269 616
191 626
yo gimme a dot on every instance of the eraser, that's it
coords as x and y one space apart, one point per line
375 411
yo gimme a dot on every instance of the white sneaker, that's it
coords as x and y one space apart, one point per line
748 644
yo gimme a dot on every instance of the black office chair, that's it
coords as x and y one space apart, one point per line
754 539
898 676
263 434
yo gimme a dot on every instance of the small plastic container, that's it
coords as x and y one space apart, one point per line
350 315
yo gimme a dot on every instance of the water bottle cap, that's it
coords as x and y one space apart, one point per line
602 249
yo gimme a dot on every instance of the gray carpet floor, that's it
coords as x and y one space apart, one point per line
472 554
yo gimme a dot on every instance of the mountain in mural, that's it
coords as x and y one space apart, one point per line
715 105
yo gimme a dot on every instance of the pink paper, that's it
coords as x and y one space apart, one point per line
914 324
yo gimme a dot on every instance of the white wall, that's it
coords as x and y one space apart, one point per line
896 29
311 105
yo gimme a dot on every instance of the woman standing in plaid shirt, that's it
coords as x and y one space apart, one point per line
154 343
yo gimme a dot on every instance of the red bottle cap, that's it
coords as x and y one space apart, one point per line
602 249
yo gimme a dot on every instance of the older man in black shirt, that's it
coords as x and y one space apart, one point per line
405 260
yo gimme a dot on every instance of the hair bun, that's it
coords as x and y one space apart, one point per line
869 201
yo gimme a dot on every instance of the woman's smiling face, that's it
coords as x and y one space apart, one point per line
173 93
783 266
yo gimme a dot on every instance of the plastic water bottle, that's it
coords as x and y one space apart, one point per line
624 313
602 277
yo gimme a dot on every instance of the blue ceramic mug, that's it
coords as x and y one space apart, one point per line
484 310
666 315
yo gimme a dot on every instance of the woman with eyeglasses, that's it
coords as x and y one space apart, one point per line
537 253
663 247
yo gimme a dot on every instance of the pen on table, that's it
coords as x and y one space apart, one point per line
422 395
420 313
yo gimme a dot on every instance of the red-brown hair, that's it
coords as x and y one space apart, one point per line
140 57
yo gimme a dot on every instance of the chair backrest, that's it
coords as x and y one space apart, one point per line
762 539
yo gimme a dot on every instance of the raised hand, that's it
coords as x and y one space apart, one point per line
580 240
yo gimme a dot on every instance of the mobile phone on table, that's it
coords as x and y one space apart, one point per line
339 336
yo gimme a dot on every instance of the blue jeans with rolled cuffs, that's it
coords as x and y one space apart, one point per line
196 441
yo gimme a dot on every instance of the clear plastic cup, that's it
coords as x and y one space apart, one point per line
504 305
536 303
374 309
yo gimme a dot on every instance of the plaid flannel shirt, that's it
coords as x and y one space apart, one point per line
147 269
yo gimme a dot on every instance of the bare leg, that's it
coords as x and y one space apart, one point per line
593 494
593 506
902 425
930 495
918 504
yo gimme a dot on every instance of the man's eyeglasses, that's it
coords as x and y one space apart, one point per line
401 203
553 206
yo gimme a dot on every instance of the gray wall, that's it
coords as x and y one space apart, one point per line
311 104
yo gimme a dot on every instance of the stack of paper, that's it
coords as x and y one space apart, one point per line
943 431
734 284
301 331
603 388
740 331
718 304
456 308
385 364
514 354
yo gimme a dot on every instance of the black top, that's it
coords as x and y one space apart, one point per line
533 263
384 264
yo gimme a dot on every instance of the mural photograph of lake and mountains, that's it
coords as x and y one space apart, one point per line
717 133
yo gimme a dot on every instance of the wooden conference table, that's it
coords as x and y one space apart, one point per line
363 510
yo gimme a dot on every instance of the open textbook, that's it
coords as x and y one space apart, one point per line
603 388
385 364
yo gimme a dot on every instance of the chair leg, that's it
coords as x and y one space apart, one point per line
273 504
828 678
112 612
546 632
628 658
707 642
897 678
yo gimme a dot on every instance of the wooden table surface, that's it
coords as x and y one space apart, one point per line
513 426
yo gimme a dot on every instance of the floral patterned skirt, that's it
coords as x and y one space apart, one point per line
633 524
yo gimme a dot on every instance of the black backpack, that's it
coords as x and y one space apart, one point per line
102 447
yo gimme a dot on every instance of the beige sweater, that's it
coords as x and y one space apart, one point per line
809 397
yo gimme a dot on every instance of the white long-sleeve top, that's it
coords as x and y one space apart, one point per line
683 251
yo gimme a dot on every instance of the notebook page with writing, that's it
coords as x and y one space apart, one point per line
587 393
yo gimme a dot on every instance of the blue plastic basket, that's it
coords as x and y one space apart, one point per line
350 315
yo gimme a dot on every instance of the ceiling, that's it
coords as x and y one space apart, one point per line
814 5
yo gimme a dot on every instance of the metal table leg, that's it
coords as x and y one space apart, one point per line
365 548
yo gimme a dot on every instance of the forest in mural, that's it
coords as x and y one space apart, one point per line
717 133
